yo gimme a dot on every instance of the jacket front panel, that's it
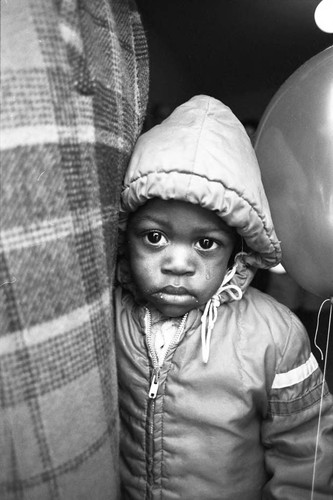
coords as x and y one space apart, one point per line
206 434
208 423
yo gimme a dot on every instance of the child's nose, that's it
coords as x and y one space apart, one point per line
178 260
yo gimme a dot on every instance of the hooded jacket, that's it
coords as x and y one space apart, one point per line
244 424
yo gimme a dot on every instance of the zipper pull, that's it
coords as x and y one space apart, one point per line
154 385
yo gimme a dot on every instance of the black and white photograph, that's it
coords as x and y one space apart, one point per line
166 250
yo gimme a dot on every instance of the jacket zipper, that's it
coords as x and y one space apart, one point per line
149 447
153 393
156 369
156 366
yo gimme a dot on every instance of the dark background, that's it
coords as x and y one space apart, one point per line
241 52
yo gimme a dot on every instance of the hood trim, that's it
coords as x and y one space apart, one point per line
229 204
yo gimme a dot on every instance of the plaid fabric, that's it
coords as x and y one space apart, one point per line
74 89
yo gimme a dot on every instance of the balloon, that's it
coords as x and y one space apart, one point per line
294 146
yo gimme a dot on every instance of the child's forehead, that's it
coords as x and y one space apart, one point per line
179 212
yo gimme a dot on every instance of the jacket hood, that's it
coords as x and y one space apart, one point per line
202 154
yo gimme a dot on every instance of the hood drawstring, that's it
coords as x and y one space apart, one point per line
210 312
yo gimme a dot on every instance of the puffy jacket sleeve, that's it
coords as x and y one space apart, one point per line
300 413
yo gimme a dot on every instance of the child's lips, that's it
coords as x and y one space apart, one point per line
175 290
174 295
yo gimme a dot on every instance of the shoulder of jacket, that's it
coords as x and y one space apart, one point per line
266 304
275 322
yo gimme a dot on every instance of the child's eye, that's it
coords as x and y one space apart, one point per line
206 244
155 238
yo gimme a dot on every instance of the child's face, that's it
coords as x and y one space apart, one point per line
179 254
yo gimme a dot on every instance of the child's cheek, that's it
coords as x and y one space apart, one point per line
208 272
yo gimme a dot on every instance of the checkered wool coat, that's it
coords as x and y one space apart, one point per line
74 81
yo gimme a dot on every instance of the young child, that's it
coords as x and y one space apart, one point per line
220 395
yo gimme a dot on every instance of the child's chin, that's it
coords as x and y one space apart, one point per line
172 311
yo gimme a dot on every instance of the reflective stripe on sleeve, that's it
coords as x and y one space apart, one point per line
296 375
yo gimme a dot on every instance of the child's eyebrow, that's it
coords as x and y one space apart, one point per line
165 221
212 229
153 218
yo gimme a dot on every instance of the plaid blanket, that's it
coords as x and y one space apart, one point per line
74 82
